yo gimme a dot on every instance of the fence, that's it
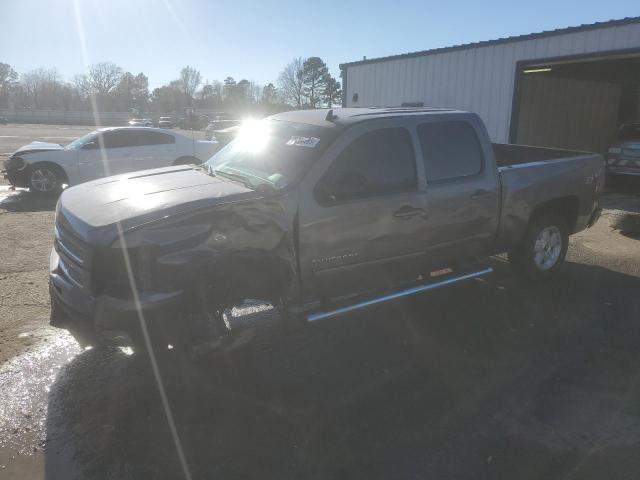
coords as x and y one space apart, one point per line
61 117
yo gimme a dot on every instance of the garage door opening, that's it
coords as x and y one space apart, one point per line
575 104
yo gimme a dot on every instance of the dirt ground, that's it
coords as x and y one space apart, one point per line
493 379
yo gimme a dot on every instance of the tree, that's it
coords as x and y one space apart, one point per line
332 93
228 89
168 98
42 88
104 77
291 82
132 92
190 80
8 78
314 80
269 94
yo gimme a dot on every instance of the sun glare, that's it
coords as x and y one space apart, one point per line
253 136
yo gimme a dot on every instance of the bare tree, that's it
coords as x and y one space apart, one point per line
82 85
190 80
42 88
104 77
291 82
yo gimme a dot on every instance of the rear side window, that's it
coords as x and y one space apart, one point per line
143 137
378 162
450 150
135 138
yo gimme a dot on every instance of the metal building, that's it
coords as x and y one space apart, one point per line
568 88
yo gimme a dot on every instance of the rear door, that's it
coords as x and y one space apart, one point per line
462 190
110 154
362 212
152 149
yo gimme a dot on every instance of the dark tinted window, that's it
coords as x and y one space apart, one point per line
114 139
141 138
378 162
450 150
135 138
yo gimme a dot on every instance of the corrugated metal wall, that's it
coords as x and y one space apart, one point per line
479 79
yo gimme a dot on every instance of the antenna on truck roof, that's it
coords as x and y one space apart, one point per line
330 116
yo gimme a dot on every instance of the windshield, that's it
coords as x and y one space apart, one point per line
269 152
79 142
629 133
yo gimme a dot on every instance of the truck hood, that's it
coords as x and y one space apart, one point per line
35 147
93 209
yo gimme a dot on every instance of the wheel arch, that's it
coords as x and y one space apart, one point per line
567 207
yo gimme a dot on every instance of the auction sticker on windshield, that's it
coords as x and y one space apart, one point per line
309 142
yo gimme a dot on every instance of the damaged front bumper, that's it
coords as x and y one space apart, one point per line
103 318
15 171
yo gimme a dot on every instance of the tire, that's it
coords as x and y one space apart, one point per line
46 179
543 248
187 161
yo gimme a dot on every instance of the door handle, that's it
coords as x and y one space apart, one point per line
481 194
407 211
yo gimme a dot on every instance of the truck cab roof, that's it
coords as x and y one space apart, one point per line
343 117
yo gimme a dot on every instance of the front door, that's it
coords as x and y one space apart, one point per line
109 154
362 213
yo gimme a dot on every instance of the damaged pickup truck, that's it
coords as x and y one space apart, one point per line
315 213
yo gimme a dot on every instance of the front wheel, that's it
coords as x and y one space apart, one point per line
543 248
46 179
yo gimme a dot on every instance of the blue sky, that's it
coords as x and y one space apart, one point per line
254 39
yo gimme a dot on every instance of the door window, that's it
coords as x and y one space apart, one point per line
450 150
376 163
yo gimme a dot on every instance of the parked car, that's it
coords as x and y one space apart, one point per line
225 135
46 167
217 125
167 122
193 122
140 122
623 156
4 121
317 213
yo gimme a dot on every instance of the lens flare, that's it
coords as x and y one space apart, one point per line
253 136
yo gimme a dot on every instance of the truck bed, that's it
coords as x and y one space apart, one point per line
509 154
532 176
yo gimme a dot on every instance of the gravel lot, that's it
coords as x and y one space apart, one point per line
495 378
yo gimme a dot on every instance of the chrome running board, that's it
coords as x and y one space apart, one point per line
398 294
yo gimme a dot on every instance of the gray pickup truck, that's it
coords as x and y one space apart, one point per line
317 212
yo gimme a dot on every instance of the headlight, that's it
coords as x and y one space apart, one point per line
615 150
15 163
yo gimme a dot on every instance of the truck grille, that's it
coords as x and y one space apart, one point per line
74 255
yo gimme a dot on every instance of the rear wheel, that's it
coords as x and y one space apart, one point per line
543 248
46 179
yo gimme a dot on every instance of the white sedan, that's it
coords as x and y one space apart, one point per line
46 167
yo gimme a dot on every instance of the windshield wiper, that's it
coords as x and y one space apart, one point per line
234 176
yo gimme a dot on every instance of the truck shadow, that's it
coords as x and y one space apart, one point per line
467 382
